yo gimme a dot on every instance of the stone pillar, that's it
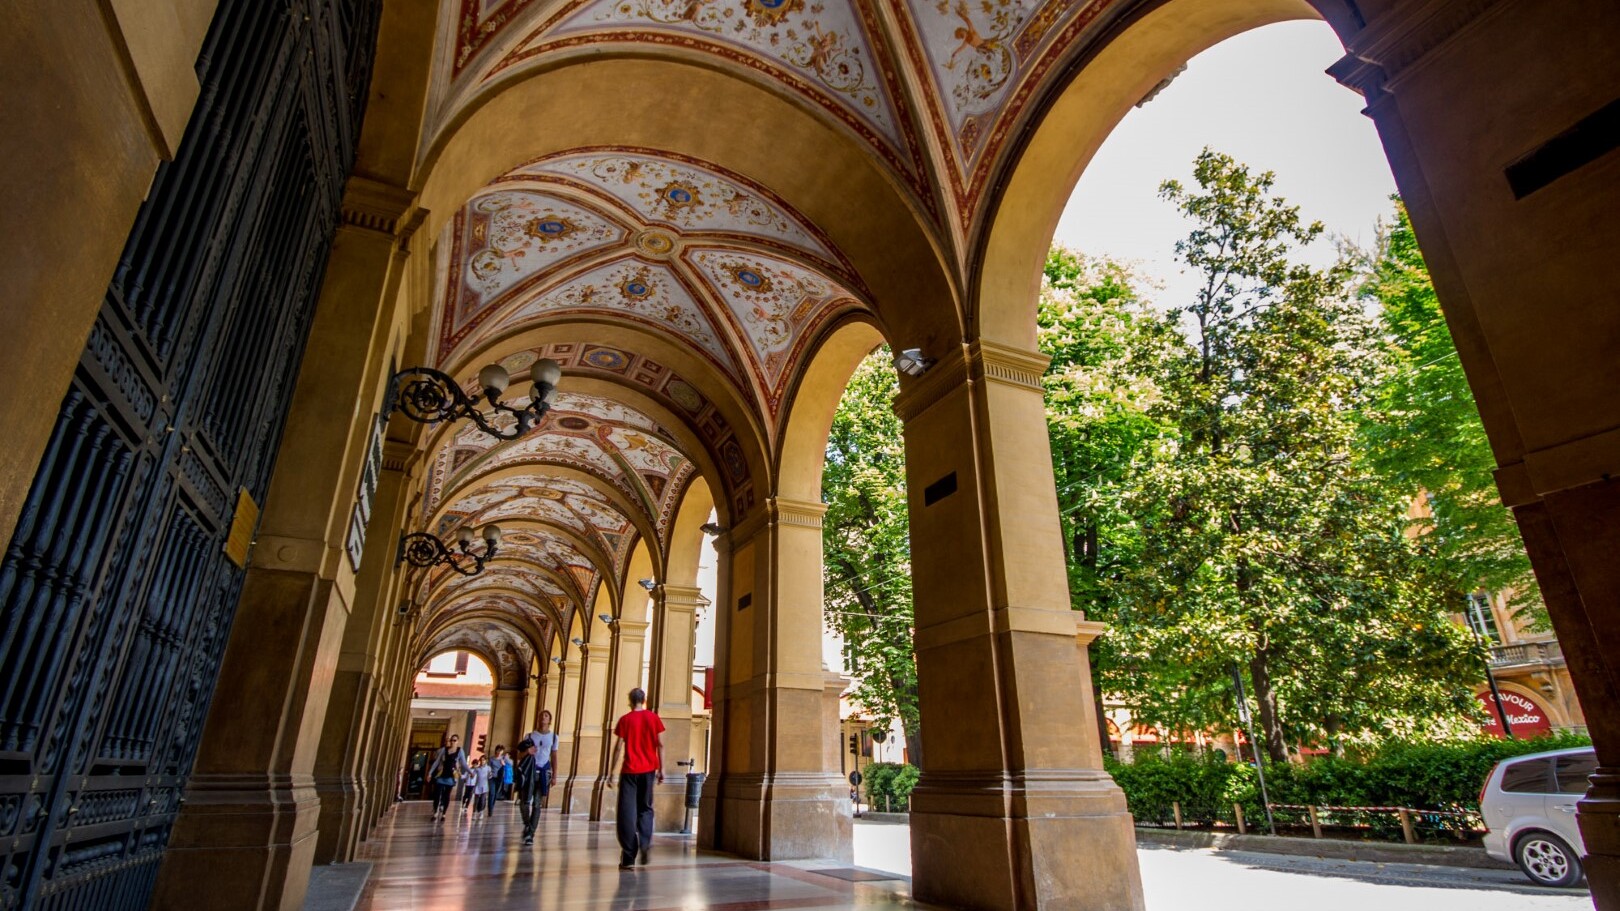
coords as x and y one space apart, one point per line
777 797
1014 810
247 834
1491 115
566 716
344 765
629 641
505 717
587 749
670 695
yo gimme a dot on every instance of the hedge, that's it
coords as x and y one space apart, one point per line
891 780
1421 776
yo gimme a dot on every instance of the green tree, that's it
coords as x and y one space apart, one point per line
1426 434
1267 541
866 547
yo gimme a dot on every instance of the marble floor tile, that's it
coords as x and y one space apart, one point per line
481 863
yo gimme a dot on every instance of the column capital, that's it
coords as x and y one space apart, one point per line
631 629
372 205
978 362
684 598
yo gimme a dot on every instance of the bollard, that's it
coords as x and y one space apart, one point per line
1406 826
694 795
1237 811
1316 824
1175 807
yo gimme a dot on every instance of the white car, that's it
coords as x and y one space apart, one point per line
1529 807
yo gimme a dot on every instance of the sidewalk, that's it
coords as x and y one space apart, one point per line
1339 849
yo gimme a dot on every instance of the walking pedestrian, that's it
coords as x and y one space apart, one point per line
448 766
545 755
468 779
526 779
506 776
639 735
480 786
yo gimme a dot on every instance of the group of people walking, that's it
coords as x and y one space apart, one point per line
526 774
523 777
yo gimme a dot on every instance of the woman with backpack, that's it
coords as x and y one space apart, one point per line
448 765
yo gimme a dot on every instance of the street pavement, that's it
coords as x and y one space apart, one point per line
1183 878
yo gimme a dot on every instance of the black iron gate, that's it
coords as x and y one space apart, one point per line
115 594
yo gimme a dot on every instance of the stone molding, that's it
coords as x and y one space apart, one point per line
784 511
372 205
945 377
1382 52
684 598
981 361
1008 619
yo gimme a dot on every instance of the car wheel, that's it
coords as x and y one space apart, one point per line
1548 860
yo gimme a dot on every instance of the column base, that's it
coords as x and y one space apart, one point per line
1598 815
1003 842
242 843
669 805
342 804
786 816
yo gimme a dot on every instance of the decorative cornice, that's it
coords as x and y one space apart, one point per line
685 596
397 455
1005 364
784 511
1379 54
372 205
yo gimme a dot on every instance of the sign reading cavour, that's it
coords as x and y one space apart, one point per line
360 517
243 523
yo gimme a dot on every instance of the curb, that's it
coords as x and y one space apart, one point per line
1437 855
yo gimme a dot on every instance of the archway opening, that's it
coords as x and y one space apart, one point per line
452 696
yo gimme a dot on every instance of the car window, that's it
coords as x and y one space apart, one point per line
1572 772
1531 776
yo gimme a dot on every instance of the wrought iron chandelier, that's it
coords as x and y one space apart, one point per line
424 549
430 396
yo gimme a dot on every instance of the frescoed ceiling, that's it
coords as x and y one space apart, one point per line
647 239
929 86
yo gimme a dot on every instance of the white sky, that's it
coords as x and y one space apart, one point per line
1262 97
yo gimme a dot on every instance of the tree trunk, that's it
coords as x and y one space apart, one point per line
1270 725
914 744
1102 724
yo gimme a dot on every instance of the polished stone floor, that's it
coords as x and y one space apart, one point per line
462 863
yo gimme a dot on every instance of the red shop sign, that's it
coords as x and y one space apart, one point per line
1526 716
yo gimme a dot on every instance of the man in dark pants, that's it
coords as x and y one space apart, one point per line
528 785
639 735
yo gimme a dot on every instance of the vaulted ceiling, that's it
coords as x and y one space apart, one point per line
683 299
932 87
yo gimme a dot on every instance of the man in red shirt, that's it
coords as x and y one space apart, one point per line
639 734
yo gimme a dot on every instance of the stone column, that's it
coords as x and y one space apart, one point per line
1491 115
343 765
629 641
505 717
777 797
670 695
1014 810
587 750
566 716
247 835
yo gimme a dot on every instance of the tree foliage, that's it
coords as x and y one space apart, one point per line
866 546
1259 535
1425 434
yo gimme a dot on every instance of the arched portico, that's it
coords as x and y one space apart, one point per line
918 198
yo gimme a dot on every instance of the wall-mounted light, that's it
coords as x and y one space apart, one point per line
712 529
577 641
912 362
608 619
556 660
430 396
424 549
648 584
